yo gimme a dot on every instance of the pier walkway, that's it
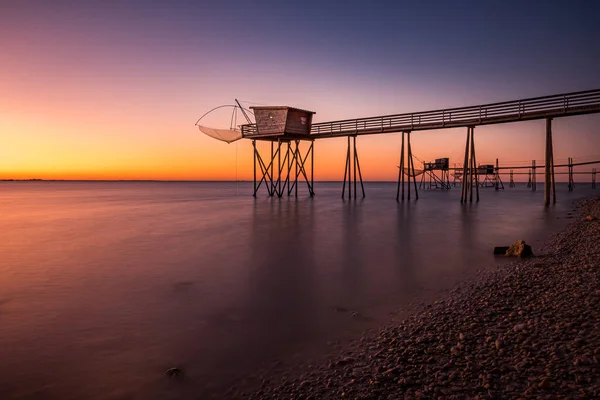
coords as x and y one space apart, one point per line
545 107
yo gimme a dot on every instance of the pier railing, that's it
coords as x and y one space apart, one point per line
508 111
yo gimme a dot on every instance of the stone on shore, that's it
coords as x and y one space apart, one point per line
519 249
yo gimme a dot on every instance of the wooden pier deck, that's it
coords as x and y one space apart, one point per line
561 105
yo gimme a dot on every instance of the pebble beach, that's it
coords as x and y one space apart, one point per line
530 329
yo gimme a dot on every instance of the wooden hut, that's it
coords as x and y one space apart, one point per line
282 121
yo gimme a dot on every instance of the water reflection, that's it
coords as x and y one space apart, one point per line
124 280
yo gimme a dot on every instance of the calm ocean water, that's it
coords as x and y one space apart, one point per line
104 285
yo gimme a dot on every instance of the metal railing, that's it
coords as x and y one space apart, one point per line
539 107
508 111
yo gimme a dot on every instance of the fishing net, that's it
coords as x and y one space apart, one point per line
224 135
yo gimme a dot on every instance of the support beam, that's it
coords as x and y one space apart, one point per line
357 165
401 172
474 173
411 168
312 168
548 163
533 176
552 175
354 162
463 195
570 172
347 172
352 170
288 163
254 157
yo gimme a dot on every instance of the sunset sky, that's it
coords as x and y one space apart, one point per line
112 89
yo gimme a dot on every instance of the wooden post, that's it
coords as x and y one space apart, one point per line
349 171
475 162
547 178
346 168
552 175
362 186
278 167
463 195
401 172
288 181
312 168
497 176
414 175
472 168
533 177
272 176
474 176
570 169
296 171
354 159
254 153
408 161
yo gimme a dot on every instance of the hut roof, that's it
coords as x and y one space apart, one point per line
281 108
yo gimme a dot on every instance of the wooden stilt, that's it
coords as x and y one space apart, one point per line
476 175
533 176
463 196
289 170
254 153
547 182
349 171
401 172
497 176
354 159
272 176
278 168
346 168
402 163
471 169
296 171
312 168
408 161
414 175
552 175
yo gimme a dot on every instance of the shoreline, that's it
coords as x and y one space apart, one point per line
529 329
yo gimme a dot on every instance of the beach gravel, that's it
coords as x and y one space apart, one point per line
529 330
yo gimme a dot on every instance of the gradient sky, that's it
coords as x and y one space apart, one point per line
112 89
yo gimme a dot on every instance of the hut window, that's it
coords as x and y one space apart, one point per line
303 120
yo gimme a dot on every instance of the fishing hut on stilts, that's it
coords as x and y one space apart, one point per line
285 129
429 177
